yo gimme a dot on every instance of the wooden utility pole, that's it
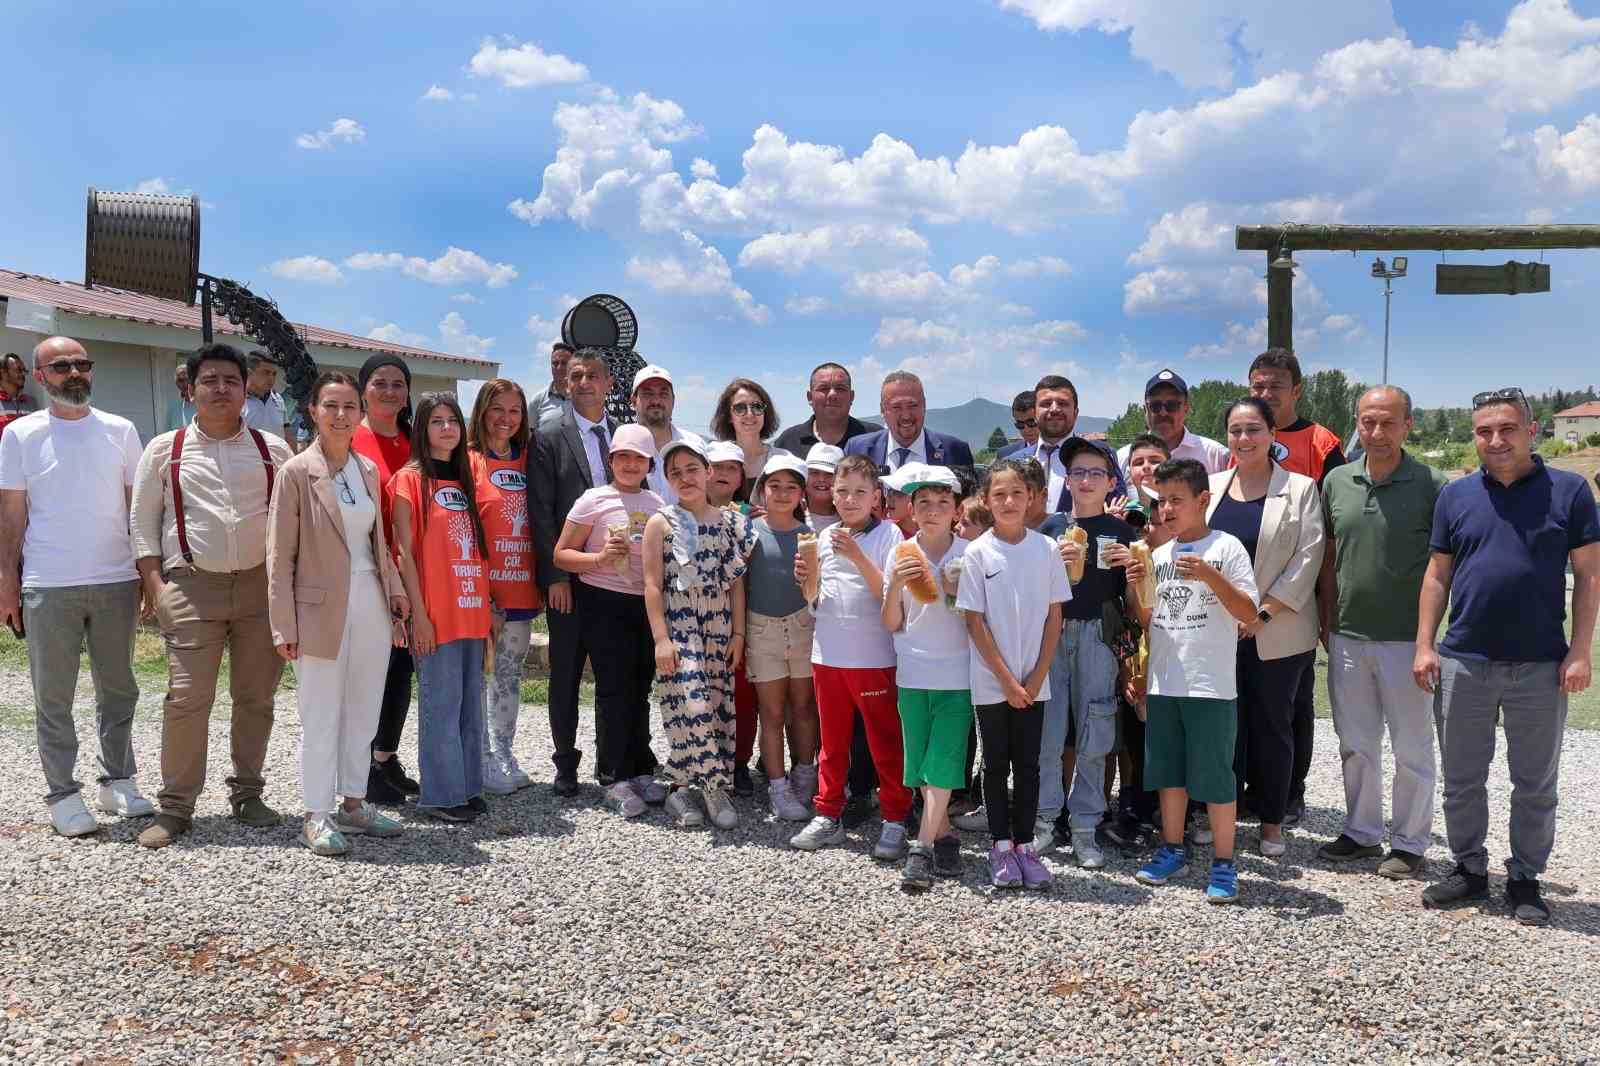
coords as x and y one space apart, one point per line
1280 304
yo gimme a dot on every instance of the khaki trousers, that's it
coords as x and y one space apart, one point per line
200 613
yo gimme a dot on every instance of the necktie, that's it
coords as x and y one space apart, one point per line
900 457
605 450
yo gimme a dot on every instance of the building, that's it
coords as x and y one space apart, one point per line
137 341
1576 423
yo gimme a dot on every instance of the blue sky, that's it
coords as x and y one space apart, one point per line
980 191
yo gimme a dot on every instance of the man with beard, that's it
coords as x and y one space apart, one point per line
905 438
546 406
653 401
830 396
1055 407
199 523
1166 412
66 474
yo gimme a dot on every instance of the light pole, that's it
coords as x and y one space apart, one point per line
1379 270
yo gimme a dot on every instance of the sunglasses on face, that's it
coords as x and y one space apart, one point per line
67 366
1026 423
1157 407
754 407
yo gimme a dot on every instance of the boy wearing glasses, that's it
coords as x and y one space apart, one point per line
1080 717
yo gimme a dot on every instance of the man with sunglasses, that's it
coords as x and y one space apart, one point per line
66 474
1026 425
1166 413
1502 541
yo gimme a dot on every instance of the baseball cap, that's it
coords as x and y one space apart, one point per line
691 442
724 451
824 457
914 476
1164 378
783 462
633 438
651 373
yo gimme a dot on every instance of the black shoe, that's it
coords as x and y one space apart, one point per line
947 856
918 874
1345 849
1292 816
742 785
459 813
566 783
394 772
1522 895
1123 832
380 791
857 809
479 805
1460 887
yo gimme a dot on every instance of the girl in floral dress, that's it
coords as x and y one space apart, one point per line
694 558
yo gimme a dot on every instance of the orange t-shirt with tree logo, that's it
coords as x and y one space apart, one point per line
501 486
455 587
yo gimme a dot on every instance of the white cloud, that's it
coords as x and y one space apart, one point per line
1192 229
457 266
703 168
524 66
980 271
805 306
1205 288
438 92
700 270
900 288
1015 310
1039 266
900 332
308 268
395 335
463 298
543 328
914 333
1572 157
154 187
835 246
343 130
456 339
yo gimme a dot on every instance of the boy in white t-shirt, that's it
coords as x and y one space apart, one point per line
1012 589
930 643
853 661
1205 586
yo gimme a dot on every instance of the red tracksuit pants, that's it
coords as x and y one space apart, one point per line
841 692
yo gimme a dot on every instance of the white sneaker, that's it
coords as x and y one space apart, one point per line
1274 849
780 795
803 784
520 778
972 822
720 808
1044 836
123 797
71 818
496 781
820 832
684 811
650 790
1085 852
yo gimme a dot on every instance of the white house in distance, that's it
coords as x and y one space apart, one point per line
137 341
1576 423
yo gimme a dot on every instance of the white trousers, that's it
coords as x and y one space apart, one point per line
1371 687
340 698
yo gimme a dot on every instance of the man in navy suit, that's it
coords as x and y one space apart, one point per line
1056 406
1022 418
904 409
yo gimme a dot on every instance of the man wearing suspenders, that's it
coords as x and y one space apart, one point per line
199 526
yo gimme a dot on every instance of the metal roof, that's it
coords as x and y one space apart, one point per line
101 302
1590 409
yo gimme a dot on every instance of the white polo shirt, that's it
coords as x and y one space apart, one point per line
1212 456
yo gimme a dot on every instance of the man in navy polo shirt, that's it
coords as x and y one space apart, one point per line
1501 542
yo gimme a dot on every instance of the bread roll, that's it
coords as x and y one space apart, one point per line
806 544
1145 591
922 587
619 564
1078 535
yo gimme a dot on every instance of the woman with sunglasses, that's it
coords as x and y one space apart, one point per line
745 415
336 605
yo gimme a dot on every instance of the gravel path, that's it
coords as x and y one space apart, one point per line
552 931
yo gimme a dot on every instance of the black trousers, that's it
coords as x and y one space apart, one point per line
863 775
1264 755
396 701
616 632
1011 749
1305 734
568 654
1133 801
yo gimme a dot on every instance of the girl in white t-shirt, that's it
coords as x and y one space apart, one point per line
852 661
930 643
1012 587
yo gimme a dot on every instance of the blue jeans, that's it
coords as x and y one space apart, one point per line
450 723
1083 683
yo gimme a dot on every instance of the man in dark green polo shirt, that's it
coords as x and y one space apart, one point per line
1379 515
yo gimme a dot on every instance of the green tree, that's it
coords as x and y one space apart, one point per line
1330 398
998 439
1439 424
1126 426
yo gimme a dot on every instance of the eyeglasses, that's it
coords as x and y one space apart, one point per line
1026 423
1511 395
754 407
1088 473
64 366
1157 407
345 493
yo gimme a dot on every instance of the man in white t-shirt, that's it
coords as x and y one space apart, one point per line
66 475
1205 587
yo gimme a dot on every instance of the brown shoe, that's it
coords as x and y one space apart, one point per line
1400 865
254 813
167 828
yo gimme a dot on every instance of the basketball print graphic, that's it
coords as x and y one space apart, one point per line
1174 598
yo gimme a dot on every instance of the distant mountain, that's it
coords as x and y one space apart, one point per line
974 420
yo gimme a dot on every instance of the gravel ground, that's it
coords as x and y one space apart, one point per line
552 931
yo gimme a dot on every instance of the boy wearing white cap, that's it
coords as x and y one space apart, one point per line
821 461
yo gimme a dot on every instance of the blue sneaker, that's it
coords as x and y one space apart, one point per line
1224 886
1168 862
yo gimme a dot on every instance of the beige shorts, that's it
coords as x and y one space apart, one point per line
778 648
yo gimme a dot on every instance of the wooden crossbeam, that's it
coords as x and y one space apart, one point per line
1411 238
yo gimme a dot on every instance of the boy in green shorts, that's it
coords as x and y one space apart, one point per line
1205 586
931 666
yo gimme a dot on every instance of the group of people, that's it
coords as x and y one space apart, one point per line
864 605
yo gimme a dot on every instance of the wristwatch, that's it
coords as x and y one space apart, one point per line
1264 615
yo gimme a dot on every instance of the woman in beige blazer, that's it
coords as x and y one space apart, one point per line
1278 517
336 606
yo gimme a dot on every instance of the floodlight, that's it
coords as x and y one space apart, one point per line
1400 265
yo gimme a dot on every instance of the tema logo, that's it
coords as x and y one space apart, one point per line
509 480
450 498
